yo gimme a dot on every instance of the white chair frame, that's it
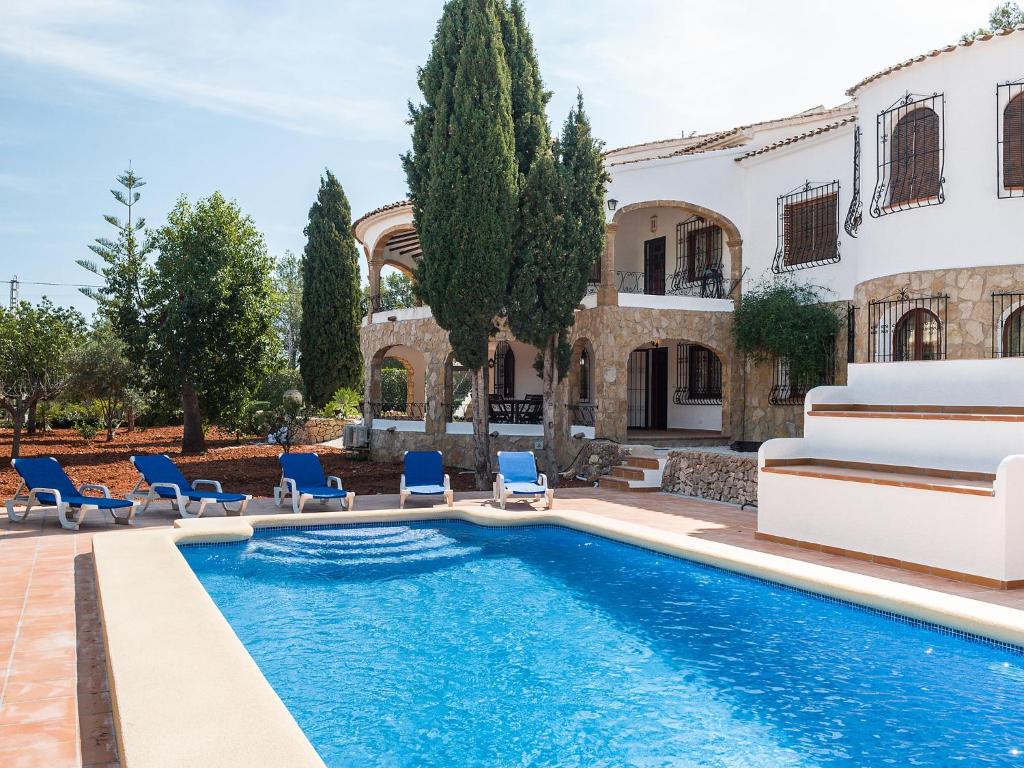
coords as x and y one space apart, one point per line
287 489
68 519
151 494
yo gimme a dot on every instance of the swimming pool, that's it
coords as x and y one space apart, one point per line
450 644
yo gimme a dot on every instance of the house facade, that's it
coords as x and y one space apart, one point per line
903 204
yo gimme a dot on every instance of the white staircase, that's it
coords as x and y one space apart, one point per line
641 472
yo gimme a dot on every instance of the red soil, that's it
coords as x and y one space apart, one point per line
246 468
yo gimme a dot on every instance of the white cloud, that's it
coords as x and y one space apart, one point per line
302 68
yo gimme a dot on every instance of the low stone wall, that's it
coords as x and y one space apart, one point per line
597 457
320 431
730 477
386 446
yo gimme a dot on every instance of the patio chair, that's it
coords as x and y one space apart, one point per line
424 476
166 483
518 478
46 484
302 479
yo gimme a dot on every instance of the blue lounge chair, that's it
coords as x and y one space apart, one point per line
518 478
166 483
424 476
46 484
302 478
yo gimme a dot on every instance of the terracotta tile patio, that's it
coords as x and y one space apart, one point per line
55 707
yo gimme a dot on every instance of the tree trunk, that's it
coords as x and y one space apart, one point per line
31 427
192 438
548 459
129 418
481 430
17 422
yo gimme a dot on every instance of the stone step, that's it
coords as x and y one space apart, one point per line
618 484
628 473
645 462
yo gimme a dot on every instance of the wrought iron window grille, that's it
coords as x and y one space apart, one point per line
1008 324
504 379
907 326
851 334
910 137
584 415
855 215
1010 139
698 269
808 227
791 390
698 376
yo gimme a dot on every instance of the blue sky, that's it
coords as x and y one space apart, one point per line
256 98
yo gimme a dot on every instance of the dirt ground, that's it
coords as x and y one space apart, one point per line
246 468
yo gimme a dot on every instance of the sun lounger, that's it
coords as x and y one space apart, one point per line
302 479
424 476
161 480
518 479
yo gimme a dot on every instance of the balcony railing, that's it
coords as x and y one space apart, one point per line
710 286
374 304
583 414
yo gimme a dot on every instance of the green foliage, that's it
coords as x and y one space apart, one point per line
397 291
103 373
276 382
124 270
288 288
394 387
331 312
344 404
285 422
462 175
87 428
1004 16
211 310
783 319
528 98
36 343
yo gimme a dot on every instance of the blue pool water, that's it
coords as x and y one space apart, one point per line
448 644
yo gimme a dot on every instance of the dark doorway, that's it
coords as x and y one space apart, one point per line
647 389
654 267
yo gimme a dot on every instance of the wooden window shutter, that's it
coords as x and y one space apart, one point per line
915 157
1013 142
810 230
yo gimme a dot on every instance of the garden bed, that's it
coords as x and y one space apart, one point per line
247 468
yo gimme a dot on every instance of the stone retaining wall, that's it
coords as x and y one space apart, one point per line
730 477
386 446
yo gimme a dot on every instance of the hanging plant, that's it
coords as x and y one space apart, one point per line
779 318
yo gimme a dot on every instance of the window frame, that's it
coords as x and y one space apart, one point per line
806 195
1007 94
886 125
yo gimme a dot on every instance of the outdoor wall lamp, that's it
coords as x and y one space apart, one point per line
612 204
654 223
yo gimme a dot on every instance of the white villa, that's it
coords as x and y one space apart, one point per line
904 202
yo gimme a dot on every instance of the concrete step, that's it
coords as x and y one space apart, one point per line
618 484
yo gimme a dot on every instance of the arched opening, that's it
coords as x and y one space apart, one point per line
397 384
668 247
1013 143
918 336
582 393
1013 334
458 387
674 385
585 377
915 157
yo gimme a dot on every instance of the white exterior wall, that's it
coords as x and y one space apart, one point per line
973 227
820 159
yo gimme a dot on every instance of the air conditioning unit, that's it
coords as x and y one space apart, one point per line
355 436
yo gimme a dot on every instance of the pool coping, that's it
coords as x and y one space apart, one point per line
185 690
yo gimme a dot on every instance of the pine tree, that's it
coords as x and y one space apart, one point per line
562 237
124 269
462 174
329 336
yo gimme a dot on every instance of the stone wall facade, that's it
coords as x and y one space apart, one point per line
969 322
388 447
729 477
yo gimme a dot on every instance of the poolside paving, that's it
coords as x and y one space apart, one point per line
55 708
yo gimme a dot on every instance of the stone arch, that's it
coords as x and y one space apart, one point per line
415 363
733 240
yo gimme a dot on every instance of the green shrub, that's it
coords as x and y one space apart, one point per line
782 319
344 404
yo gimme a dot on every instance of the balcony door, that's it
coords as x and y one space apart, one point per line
647 389
654 267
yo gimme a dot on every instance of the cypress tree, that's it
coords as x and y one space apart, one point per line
562 236
462 175
329 334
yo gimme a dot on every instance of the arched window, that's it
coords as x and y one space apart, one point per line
1013 334
915 157
918 336
504 370
584 377
1013 143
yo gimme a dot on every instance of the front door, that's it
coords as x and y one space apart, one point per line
654 267
647 389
